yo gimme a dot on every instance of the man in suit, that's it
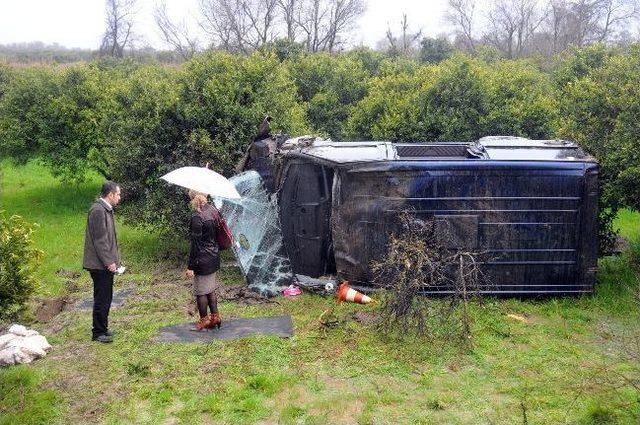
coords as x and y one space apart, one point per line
102 257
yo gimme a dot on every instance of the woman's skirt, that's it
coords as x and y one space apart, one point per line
204 284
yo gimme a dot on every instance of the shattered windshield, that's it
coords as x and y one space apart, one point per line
258 244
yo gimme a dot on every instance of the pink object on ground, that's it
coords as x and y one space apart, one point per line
291 291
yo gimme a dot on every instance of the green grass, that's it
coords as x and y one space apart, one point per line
59 211
22 401
563 365
628 223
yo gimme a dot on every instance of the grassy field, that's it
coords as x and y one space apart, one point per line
567 360
60 213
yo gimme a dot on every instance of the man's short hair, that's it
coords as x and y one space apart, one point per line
109 187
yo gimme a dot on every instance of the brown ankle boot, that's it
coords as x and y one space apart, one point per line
214 320
203 323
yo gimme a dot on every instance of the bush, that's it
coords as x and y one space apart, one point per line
330 86
18 260
452 109
389 112
133 122
458 100
208 111
577 63
6 73
24 118
54 114
284 49
435 50
521 101
601 111
70 142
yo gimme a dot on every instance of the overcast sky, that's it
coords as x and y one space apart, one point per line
80 23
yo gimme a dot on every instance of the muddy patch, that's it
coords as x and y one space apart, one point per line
49 308
171 276
68 274
70 279
366 317
242 294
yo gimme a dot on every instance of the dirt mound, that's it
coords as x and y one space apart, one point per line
50 308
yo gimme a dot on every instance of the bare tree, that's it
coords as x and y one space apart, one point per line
460 15
343 19
326 22
312 18
218 17
118 34
558 12
240 25
261 15
615 14
405 43
245 25
175 34
289 10
582 22
512 24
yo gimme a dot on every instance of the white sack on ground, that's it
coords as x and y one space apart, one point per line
18 330
6 338
22 345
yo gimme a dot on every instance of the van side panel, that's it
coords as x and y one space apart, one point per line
533 223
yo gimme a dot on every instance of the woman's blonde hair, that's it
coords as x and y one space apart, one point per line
198 199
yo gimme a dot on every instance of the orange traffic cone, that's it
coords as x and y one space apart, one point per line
346 293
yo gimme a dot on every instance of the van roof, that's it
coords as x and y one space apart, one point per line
497 148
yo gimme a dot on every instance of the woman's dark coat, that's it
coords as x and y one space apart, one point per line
204 257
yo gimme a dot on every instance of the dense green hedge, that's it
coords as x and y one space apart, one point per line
134 122
18 260
600 109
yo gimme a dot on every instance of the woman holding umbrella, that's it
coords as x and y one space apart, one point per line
204 258
209 235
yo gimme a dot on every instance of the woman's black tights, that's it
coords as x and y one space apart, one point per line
209 300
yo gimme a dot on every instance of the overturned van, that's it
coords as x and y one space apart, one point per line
530 206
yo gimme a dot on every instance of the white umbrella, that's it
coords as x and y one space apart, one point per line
203 180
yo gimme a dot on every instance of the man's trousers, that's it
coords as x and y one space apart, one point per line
102 296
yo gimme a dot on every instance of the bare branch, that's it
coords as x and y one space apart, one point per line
582 22
460 15
512 25
118 34
240 25
326 22
176 35
405 43
289 10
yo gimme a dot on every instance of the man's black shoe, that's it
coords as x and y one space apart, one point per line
103 338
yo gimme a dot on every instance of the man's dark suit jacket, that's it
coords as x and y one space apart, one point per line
100 242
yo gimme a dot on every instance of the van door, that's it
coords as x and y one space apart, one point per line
305 210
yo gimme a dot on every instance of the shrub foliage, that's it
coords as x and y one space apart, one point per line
134 122
18 259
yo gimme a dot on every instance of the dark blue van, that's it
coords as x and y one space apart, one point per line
528 206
